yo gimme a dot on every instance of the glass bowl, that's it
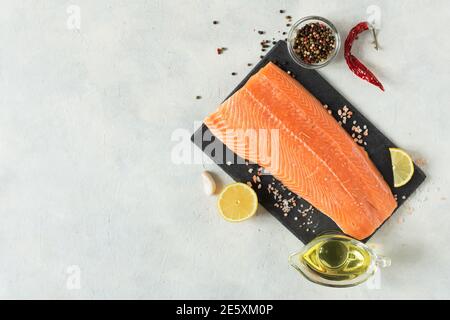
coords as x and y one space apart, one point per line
293 32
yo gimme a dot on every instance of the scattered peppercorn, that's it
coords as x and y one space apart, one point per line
288 25
284 32
219 50
233 73
249 64
274 42
215 22
198 97
261 32
314 42
282 11
261 57
288 17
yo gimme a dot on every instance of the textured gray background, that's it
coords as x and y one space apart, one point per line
86 175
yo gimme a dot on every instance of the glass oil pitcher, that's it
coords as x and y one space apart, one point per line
337 260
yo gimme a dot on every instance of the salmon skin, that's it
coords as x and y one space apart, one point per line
315 156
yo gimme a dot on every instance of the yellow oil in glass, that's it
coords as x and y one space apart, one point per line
337 259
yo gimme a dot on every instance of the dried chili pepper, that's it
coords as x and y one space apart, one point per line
354 64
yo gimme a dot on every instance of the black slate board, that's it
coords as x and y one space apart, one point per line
306 226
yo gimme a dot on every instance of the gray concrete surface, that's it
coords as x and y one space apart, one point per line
91 203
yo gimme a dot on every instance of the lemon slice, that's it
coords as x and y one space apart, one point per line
402 167
237 202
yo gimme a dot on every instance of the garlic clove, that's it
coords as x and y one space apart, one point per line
209 185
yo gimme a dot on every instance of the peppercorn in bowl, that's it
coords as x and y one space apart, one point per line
313 42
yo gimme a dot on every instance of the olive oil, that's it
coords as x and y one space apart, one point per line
337 259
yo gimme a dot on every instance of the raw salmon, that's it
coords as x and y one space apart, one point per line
317 159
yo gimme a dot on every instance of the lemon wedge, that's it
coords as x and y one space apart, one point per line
402 167
237 202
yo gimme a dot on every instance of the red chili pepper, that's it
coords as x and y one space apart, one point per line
354 64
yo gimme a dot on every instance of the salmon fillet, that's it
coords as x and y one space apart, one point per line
316 158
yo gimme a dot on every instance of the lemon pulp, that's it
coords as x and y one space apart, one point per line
402 167
237 202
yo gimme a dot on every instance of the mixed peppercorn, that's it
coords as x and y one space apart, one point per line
314 42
